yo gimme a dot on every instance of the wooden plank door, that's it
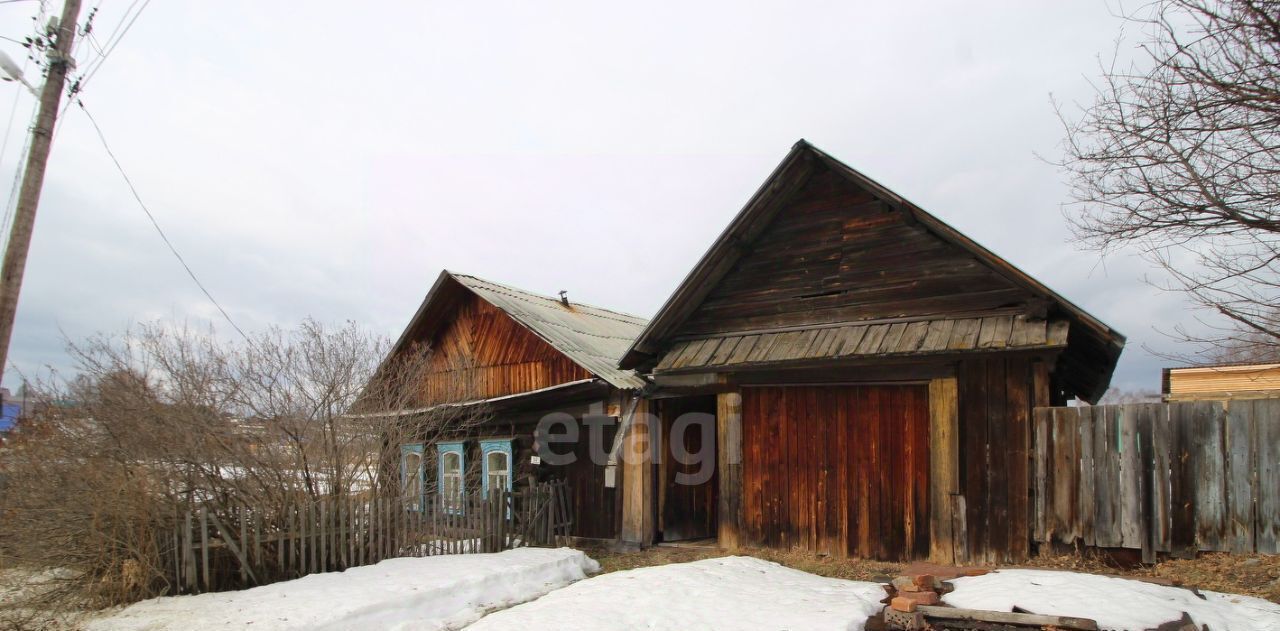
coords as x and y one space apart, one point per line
689 488
838 469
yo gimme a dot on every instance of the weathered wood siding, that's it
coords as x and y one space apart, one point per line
483 353
995 401
837 469
1224 382
597 511
685 510
1171 478
835 254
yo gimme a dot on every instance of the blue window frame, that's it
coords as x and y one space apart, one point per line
452 475
412 476
496 464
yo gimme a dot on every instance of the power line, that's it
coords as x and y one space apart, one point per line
113 40
156 225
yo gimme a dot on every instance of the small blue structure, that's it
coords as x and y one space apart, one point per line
9 413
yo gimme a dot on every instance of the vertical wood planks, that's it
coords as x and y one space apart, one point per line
1142 467
944 456
1018 395
1130 476
973 397
841 469
1209 459
1242 466
1178 477
729 460
1066 469
1267 421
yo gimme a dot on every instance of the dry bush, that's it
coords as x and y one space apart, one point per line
162 418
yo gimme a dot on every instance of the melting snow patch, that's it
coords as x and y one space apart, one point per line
439 592
1116 603
724 593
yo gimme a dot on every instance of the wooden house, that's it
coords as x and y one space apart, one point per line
871 373
521 356
1221 381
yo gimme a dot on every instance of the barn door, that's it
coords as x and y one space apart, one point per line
689 487
838 469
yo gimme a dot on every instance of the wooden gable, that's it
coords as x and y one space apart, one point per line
481 352
821 246
836 254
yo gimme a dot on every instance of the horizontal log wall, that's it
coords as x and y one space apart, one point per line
836 254
1172 478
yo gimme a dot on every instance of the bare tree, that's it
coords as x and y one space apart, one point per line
161 418
1179 155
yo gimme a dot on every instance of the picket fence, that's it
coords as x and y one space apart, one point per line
240 544
1174 478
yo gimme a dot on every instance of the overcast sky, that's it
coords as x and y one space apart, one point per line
327 159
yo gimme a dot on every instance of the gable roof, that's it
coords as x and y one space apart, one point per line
1089 360
591 337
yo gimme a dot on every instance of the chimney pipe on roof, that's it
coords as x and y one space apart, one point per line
564 297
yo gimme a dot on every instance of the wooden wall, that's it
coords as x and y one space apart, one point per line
835 254
995 397
483 353
596 508
836 469
596 512
1222 382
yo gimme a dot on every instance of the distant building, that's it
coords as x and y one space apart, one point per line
1222 381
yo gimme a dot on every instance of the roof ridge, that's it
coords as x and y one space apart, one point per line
517 291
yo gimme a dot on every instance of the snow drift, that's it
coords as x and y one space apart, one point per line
1116 603
439 592
723 593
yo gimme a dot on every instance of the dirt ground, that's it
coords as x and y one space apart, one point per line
1254 575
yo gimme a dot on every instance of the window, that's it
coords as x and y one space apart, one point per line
496 464
452 483
411 476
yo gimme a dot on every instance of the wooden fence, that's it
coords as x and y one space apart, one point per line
241 545
1172 478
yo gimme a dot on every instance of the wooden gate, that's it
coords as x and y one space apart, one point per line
837 469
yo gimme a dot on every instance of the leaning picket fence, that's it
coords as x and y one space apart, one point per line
237 544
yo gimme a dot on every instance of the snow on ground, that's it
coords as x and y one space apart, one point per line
723 593
1116 603
439 592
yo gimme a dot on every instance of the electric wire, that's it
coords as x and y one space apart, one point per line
172 249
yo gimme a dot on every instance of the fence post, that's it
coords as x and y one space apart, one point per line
204 544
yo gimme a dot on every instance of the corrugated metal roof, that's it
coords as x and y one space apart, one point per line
592 337
947 335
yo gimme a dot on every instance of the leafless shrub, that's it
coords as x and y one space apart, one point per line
1179 155
160 418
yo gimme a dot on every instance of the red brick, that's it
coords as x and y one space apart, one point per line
902 603
921 598
925 581
905 584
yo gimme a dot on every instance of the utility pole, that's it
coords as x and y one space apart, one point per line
24 219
